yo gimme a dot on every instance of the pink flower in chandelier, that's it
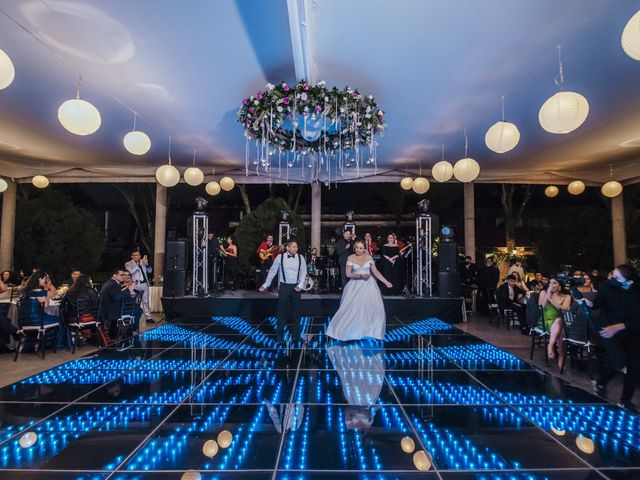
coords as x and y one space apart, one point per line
285 101
305 86
245 101
318 108
285 87
259 95
251 109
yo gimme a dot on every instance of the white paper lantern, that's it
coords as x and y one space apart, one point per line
611 189
563 112
576 187
3 185
227 184
408 445
28 439
213 188
442 171
137 142
421 461
79 117
502 137
225 438
406 183
167 175
210 448
7 70
421 185
466 170
551 191
631 37
191 475
193 176
557 431
585 444
40 181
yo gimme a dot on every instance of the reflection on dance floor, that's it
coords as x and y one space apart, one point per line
221 400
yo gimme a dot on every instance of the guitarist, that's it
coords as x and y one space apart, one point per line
266 252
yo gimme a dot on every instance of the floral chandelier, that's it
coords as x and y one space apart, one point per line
311 127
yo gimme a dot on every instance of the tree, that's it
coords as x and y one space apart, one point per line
578 236
55 235
141 200
513 214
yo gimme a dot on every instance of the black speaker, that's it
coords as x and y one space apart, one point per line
448 284
174 283
448 257
176 255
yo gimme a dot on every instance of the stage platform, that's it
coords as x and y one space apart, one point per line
255 304
217 398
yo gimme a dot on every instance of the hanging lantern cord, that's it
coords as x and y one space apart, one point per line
169 149
560 78
194 158
503 108
466 143
78 87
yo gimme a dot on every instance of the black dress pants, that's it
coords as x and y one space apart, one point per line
288 310
623 350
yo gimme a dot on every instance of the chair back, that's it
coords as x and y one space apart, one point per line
30 313
576 327
129 305
534 312
88 309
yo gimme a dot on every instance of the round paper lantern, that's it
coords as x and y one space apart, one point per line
137 142
7 70
28 439
210 448
191 475
408 445
611 189
406 183
227 184
79 117
212 188
421 461
631 37
40 181
225 438
3 185
560 433
442 171
551 191
576 187
502 137
563 112
167 175
466 170
585 444
420 185
193 176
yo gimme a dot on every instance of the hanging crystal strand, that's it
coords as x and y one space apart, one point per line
304 125
246 156
287 169
294 121
257 161
357 161
271 120
279 163
302 165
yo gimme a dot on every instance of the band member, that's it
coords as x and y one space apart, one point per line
344 248
266 251
291 269
231 266
371 248
313 259
139 269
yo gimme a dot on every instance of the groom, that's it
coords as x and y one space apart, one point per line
292 271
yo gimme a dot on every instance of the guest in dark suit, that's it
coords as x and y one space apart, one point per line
111 296
509 296
488 277
344 248
469 272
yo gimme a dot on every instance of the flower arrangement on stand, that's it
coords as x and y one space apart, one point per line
313 127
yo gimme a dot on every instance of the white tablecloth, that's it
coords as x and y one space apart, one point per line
155 294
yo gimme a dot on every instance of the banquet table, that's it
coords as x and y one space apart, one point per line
155 296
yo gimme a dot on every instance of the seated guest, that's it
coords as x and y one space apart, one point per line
536 284
516 266
129 287
587 286
509 296
82 289
75 273
5 279
469 272
596 279
111 300
554 302
6 327
520 283
40 288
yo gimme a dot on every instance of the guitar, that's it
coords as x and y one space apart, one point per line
265 254
406 247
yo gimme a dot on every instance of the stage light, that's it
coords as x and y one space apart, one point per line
446 233
210 448
201 204
408 445
225 438
423 205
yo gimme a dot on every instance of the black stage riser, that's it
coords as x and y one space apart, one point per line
446 309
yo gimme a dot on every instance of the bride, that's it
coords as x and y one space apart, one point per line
361 313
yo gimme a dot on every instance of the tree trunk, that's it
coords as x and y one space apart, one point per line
245 198
144 227
511 219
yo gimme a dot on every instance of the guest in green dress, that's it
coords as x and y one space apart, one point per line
553 302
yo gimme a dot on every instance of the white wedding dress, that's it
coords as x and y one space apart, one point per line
361 313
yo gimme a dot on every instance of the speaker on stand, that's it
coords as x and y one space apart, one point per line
175 274
448 276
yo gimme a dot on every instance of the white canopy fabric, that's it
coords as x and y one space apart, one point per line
435 67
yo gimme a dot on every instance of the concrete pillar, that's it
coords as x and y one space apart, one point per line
617 226
316 214
469 221
160 234
8 228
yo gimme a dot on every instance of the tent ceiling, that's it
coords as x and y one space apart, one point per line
436 68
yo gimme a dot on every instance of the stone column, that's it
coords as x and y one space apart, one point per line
160 234
617 226
316 214
469 221
7 231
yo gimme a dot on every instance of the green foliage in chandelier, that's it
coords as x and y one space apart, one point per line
283 114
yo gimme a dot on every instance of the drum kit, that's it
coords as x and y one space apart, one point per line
322 276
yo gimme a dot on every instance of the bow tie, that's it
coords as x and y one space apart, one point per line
290 256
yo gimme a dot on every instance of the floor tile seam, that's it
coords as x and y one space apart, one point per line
73 402
117 469
291 397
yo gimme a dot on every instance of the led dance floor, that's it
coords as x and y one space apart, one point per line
222 401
